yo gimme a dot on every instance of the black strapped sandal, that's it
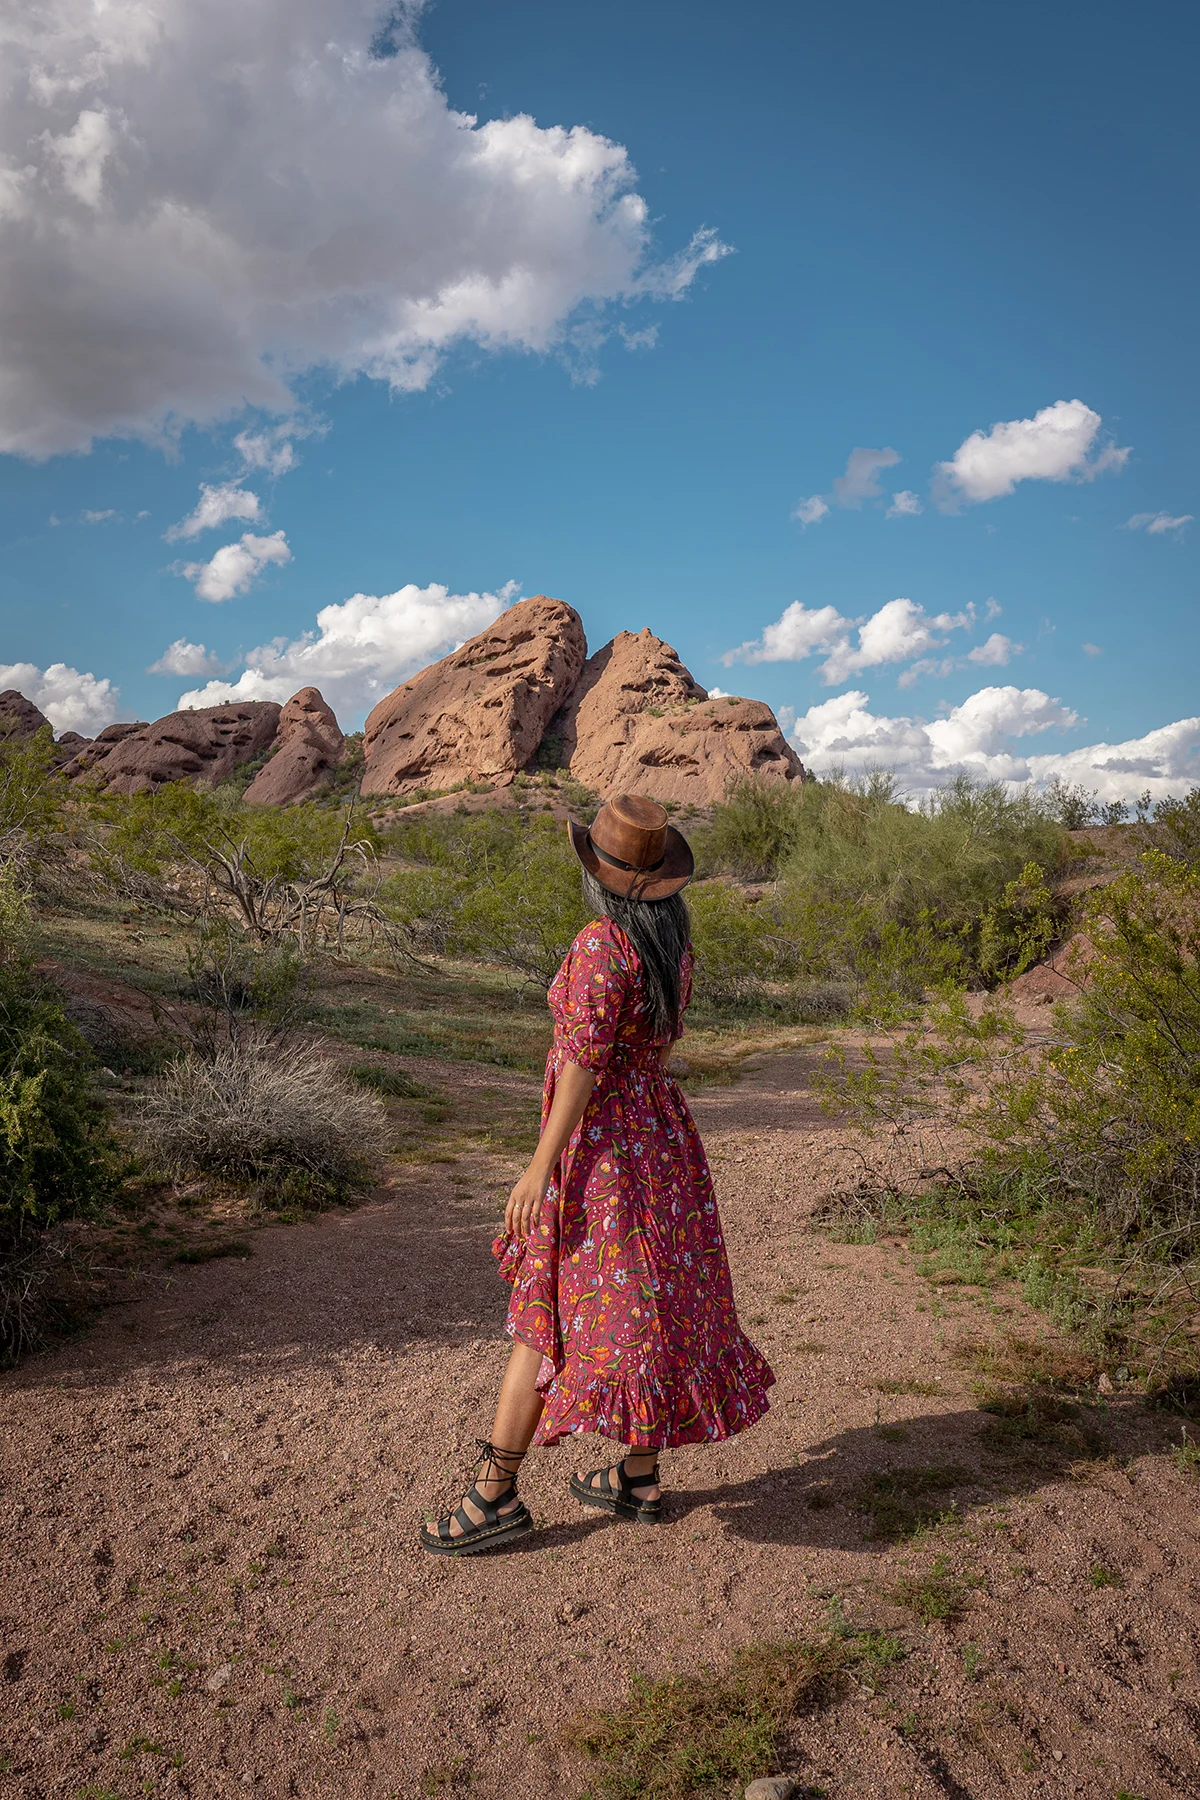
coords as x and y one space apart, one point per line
496 1529
619 1499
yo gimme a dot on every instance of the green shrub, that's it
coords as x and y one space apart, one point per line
154 833
33 797
502 888
948 861
1087 1149
753 830
885 900
1175 830
55 1149
732 939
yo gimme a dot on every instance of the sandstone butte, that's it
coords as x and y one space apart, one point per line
522 694
480 713
20 718
638 723
308 744
629 717
207 744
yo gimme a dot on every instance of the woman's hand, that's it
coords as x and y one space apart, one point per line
524 1207
572 1092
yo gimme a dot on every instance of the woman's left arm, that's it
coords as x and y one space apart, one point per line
572 1091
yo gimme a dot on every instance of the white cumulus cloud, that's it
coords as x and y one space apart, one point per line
72 701
182 658
974 738
901 631
361 648
216 506
898 632
995 652
795 634
982 738
905 505
810 511
233 568
1157 524
1165 762
1060 443
200 203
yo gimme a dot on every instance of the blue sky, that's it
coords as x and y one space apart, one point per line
937 219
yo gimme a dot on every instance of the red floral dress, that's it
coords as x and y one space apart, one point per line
624 1286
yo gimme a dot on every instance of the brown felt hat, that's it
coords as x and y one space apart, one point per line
632 851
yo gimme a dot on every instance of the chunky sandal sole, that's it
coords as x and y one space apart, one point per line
637 1512
483 1540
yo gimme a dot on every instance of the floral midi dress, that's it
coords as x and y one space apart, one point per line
624 1285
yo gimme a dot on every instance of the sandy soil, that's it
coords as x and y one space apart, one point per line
210 1585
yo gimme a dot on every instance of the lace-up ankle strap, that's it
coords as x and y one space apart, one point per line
508 1462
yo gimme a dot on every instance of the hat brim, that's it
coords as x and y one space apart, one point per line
673 873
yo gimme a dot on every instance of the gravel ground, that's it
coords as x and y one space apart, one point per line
210 1584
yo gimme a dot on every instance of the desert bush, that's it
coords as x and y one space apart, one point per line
280 1119
501 888
56 1160
1096 1132
949 860
752 830
733 940
32 802
1070 804
884 899
240 987
1174 829
306 873
896 900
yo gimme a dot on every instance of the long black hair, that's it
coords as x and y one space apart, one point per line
659 931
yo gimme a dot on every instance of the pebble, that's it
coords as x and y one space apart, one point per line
773 1787
216 1681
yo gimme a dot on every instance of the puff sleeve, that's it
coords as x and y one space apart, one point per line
596 984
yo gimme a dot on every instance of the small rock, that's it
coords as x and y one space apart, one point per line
1057 1755
773 1787
219 1678
1104 1385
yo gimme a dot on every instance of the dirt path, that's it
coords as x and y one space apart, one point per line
209 1583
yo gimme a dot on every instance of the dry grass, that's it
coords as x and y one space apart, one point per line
283 1120
689 1737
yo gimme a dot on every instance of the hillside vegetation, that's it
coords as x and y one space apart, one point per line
825 904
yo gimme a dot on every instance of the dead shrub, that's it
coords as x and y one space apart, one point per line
281 1119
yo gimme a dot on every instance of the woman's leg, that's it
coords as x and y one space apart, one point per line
637 1462
518 1410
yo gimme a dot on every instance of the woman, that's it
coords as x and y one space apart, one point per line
622 1309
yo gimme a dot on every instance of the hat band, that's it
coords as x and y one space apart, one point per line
630 868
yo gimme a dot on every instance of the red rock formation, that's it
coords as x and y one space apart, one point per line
691 753
308 744
87 756
208 744
480 713
634 671
639 723
19 717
